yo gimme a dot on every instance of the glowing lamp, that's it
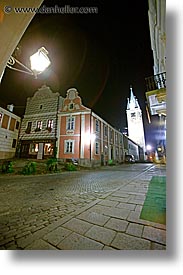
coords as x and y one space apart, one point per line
149 147
39 61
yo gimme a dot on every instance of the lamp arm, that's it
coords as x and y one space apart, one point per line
12 61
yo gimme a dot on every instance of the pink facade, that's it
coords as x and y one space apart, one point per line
85 136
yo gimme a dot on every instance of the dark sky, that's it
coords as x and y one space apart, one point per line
99 54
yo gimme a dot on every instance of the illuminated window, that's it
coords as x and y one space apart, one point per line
69 146
50 125
1 116
34 148
12 124
39 126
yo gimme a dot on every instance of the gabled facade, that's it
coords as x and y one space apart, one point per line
38 135
9 130
85 136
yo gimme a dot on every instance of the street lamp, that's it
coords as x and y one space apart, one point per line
39 61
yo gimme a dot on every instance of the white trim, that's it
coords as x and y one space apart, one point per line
74 113
73 135
58 135
40 114
69 122
82 144
65 146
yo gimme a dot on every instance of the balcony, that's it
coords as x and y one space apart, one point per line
156 94
156 82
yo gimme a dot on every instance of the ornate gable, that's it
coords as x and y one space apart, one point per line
73 102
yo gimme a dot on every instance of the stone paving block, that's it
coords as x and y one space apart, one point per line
136 201
57 235
138 208
120 194
93 217
111 211
5 241
116 224
78 242
157 246
154 234
119 199
108 203
140 197
135 229
123 241
126 206
40 245
78 226
101 234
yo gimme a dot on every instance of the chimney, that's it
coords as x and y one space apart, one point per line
10 107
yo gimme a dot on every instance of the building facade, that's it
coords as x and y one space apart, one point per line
156 84
38 134
64 128
85 136
9 130
135 122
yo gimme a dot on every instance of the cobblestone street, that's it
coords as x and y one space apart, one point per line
33 209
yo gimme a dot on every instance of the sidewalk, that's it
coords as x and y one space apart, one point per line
109 223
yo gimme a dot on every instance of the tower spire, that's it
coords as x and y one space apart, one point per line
132 102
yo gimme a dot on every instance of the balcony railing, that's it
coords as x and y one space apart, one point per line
155 82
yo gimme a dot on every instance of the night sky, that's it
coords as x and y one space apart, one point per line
100 55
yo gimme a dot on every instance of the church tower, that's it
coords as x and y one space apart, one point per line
135 122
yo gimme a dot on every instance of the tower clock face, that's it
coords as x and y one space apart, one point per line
133 115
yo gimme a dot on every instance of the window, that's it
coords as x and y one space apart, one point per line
5 121
48 149
29 126
96 148
14 143
69 146
97 125
116 138
34 148
41 106
50 125
39 126
71 106
70 123
111 133
17 125
12 124
1 116
105 130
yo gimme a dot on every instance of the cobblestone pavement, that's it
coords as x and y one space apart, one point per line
96 209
